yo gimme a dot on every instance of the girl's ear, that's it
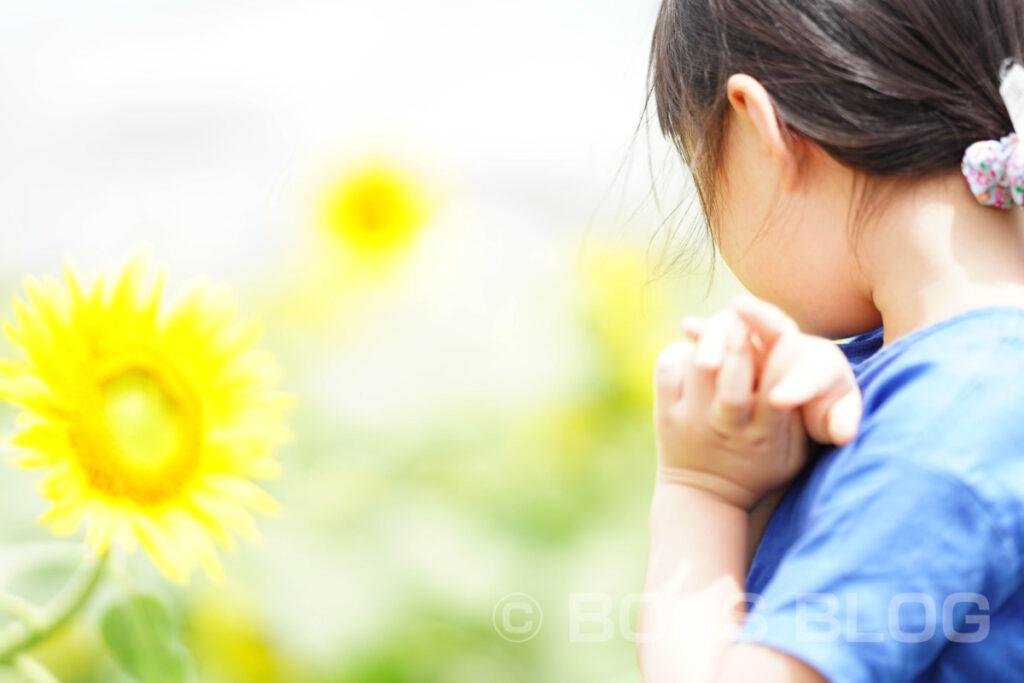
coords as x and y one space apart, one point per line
751 102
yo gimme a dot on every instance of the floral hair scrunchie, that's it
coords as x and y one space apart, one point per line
994 169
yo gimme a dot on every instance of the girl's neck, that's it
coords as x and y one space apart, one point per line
937 252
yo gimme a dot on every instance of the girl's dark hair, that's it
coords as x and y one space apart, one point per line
889 88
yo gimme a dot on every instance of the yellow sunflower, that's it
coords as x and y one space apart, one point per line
150 422
376 209
628 314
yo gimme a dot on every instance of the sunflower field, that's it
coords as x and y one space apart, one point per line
328 333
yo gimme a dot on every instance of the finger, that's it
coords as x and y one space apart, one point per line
783 357
734 384
814 370
698 384
822 382
844 417
767 320
803 382
693 326
669 371
833 417
711 346
779 362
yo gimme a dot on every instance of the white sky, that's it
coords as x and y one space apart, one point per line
200 127
204 129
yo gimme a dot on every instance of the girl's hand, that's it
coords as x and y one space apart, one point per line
731 409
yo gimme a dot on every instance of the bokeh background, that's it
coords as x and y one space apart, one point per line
456 231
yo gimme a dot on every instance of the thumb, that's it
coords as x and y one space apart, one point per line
843 419
834 416
821 381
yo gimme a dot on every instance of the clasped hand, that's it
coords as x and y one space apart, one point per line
735 404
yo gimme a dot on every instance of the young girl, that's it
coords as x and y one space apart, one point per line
855 163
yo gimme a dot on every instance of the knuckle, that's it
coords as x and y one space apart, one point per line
788 324
729 421
727 317
663 377
733 403
673 354
782 358
671 359
758 440
662 364
832 359
672 420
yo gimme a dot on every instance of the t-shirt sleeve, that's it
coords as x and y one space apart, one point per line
898 560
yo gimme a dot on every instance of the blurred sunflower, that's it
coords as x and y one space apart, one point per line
149 424
628 316
376 209
231 641
632 313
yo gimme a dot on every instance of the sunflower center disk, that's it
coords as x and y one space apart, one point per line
144 448
375 212
143 419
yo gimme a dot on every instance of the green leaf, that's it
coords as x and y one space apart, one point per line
139 634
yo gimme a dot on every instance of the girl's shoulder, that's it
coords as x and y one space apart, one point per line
943 415
943 418
946 401
948 397
957 384
926 503
971 346
968 367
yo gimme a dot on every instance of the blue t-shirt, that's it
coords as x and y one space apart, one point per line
898 556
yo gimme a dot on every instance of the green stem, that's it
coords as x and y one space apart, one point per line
19 637
19 608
